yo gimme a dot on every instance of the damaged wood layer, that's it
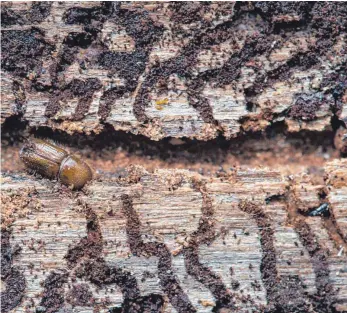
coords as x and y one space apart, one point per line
278 289
168 281
255 221
11 276
240 67
117 224
205 234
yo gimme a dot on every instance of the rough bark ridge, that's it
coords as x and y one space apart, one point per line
194 70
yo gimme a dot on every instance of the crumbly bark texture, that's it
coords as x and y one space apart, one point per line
198 70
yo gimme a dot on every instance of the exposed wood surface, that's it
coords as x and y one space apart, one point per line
202 70
219 239
171 240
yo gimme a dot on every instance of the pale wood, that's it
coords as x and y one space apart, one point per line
169 208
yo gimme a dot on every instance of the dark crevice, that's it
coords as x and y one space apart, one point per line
244 148
13 130
24 53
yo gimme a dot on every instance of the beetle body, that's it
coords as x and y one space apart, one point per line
54 162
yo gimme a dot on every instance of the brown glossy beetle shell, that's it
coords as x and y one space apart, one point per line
52 161
74 172
42 157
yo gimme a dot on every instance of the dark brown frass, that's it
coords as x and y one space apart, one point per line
52 161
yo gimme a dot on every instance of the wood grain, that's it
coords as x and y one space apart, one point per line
169 205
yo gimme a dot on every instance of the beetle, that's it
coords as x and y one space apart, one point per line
52 161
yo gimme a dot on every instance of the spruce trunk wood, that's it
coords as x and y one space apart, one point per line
177 240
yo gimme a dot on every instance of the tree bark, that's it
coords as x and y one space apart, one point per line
174 70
